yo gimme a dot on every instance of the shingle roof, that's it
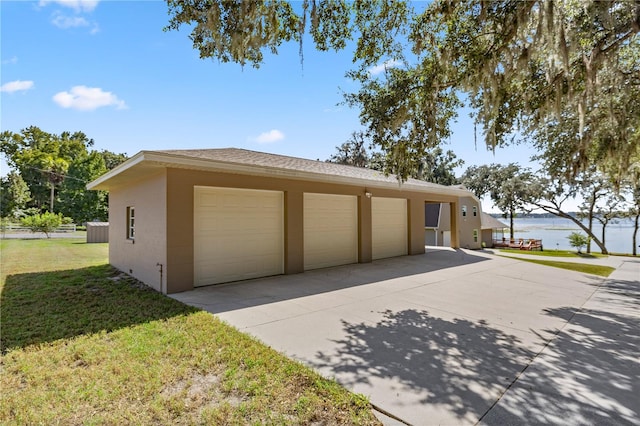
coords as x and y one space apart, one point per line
490 222
242 161
283 162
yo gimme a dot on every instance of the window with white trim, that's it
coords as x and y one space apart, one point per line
131 223
475 211
475 235
464 211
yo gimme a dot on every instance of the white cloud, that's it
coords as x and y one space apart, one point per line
64 22
378 69
268 137
85 98
16 86
76 5
80 7
12 60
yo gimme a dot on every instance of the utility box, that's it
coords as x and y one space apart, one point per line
97 232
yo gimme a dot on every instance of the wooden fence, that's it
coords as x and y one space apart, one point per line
16 227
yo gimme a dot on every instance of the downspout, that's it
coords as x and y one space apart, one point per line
161 273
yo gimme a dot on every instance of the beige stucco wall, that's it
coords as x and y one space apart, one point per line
140 257
487 237
461 227
164 206
467 224
180 183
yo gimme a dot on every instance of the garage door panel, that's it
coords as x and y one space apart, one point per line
330 230
238 234
389 227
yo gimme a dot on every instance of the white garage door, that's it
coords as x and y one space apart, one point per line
238 234
330 230
388 227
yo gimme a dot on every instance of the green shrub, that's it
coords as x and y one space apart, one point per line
46 222
578 240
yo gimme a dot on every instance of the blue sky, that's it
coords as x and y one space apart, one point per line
108 69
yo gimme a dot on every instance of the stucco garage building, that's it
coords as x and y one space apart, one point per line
219 215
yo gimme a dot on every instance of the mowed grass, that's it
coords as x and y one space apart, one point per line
84 344
556 253
603 271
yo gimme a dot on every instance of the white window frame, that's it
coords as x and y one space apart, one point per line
131 223
475 211
464 211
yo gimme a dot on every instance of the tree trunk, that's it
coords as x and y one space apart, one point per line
590 231
604 226
511 223
592 204
51 200
560 213
635 234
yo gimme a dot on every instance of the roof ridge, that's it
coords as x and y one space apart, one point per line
241 160
275 155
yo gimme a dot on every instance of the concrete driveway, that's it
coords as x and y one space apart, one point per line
456 337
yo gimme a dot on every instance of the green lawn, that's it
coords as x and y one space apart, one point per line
603 271
555 253
83 344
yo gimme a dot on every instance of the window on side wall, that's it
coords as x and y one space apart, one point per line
475 211
475 235
464 211
131 223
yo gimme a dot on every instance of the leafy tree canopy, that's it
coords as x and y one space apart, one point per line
435 166
14 195
606 137
42 158
75 200
510 186
353 152
518 63
57 167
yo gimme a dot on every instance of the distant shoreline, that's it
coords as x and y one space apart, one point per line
554 230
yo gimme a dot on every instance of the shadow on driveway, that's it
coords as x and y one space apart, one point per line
454 337
590 374
461 365
623 293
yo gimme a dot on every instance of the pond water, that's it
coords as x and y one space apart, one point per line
554 232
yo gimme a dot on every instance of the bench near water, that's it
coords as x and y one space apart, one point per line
520 243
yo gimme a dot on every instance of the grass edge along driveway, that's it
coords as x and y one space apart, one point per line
83 343
534 257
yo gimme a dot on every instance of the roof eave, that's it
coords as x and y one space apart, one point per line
170 160
101 182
